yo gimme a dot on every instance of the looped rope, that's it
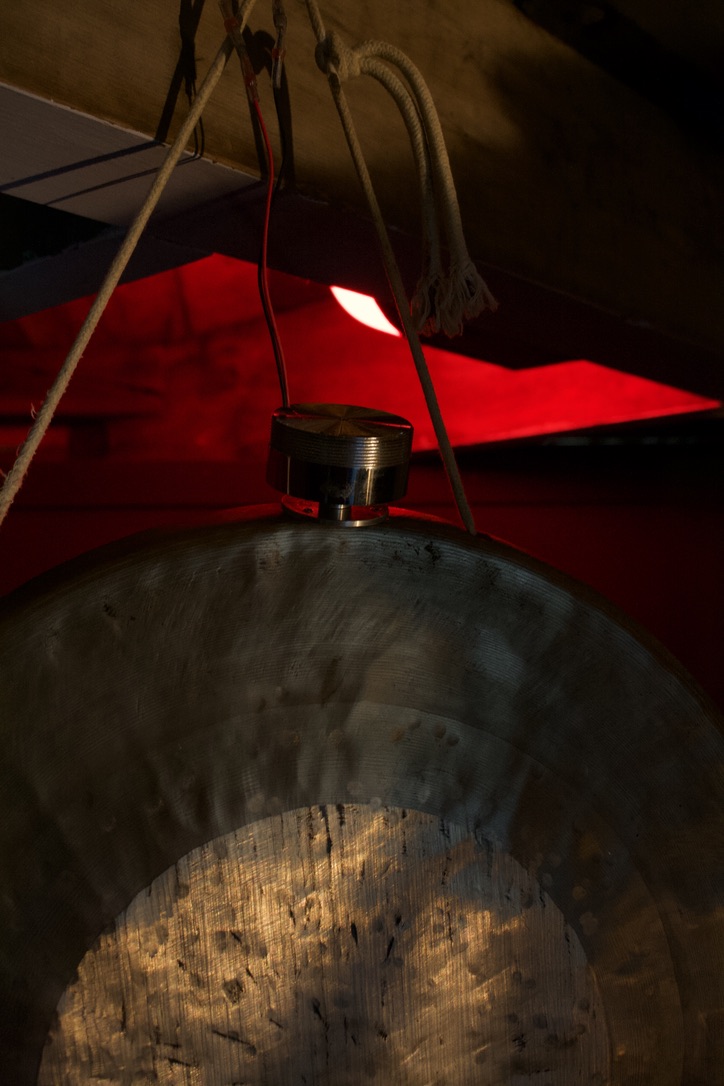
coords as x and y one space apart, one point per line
460 288
444 297
432 256
334 57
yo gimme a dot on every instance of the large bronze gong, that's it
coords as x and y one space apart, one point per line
285 802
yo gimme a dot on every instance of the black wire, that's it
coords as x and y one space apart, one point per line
259 47
261 268
199 134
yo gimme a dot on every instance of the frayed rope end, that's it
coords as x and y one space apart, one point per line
442 303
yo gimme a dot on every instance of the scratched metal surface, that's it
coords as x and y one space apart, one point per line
339 945
205 686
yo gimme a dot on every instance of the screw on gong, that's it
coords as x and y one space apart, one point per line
339 456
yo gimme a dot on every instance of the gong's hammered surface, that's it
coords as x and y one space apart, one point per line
169 693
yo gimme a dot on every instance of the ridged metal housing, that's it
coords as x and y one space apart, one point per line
339 455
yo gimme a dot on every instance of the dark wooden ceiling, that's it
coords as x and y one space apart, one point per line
586 142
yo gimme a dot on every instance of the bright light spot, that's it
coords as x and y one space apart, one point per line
364 309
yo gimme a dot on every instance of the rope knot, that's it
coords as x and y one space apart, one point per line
334 57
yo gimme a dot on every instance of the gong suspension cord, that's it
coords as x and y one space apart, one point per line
444 297
14 479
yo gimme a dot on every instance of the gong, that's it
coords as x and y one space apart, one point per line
285 802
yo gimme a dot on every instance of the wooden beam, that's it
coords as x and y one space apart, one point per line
565 177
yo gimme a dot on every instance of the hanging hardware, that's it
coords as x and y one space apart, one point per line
339 463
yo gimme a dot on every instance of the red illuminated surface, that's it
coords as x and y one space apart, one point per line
181 367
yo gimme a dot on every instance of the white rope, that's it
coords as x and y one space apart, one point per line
432 270
441 302
463 294
443 299
393 272
17 473
362 61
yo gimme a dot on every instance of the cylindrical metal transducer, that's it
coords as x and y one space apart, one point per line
339 456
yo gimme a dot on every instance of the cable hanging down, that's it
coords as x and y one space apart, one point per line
262 271
234 30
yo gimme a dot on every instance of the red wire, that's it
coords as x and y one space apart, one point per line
263 278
